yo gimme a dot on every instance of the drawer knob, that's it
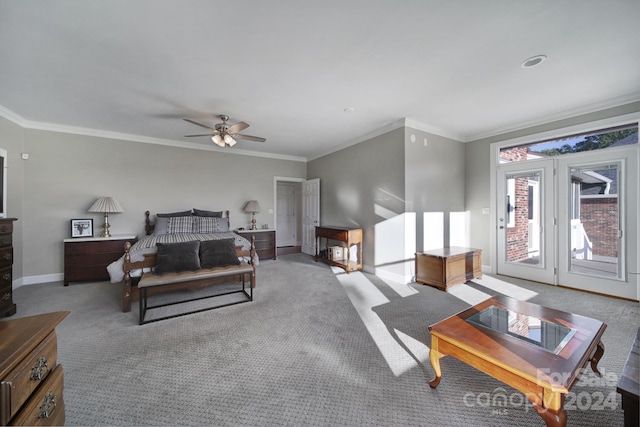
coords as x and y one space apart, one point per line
6 296
38 369
6 276
48 406
7 256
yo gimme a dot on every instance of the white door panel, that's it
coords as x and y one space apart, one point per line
310 214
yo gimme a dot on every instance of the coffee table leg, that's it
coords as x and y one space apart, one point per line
551 418
596 358
434 357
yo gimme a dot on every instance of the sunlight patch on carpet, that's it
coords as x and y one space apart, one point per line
506 288
468 294
402 289
364 296
418 349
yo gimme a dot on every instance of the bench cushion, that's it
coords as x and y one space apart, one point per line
150 279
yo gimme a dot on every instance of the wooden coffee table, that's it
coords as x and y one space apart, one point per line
488 336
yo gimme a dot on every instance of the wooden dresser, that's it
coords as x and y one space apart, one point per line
31 380
7 307
86 258
265 242
346 237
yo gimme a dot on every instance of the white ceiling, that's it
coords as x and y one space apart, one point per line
290 68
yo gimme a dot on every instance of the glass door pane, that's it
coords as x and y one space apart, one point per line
523 218
595 221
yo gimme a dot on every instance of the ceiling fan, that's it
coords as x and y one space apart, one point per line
224 134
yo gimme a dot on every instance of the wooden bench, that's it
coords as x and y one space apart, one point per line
151 284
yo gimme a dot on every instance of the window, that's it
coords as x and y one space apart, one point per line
597 140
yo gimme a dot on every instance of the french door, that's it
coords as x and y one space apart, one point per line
525 215
571 220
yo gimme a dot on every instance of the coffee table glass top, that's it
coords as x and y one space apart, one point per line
532 330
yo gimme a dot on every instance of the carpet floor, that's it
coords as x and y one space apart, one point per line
316 347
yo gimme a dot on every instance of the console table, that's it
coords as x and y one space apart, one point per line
443 268
348 237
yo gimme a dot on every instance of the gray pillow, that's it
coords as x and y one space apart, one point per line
177 257
218 253
200 212
172 214
160 227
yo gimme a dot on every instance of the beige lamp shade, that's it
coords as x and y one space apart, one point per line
252 207
106 205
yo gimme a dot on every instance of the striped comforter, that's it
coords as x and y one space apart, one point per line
147 245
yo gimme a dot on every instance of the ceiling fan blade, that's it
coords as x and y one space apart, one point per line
199 124
249 137
202 134
237 127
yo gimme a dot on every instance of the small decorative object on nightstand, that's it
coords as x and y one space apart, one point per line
86 258
265 242
252 207
106 205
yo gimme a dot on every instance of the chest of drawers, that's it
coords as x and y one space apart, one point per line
7 307
265 242
86 259
31 380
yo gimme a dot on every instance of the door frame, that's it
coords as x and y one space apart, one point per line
541 136
277 179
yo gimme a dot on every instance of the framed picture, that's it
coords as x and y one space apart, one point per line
81 228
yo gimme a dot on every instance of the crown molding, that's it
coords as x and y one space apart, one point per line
566 114
52 127
12 117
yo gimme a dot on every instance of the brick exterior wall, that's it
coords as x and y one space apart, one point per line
518 235
599 217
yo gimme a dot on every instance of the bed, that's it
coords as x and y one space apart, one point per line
175 227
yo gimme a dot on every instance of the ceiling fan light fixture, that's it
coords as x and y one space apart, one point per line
217 139
229 140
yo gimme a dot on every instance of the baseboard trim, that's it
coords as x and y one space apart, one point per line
34 280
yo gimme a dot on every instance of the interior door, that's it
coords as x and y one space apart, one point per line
310 214
525 220
286 214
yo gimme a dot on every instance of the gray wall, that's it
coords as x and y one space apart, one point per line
478 172
434 178
12 140
355 179
66 173
365 184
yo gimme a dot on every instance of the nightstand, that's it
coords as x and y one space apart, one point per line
86 258
265 241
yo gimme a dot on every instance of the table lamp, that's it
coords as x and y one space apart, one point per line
106 205
252 207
